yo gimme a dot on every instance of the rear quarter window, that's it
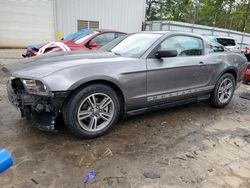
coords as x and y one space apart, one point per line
216 47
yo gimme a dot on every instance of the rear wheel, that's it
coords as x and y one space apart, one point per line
224 91
92 111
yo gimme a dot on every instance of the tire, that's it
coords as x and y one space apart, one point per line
90 106
216 97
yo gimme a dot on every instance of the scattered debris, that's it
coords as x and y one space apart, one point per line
236 144
181 158
151 175
108 152
90 175
245 95
163 123
6 160
210 170
190 156
87 159
34 181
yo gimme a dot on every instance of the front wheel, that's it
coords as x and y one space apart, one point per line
223 92
92 111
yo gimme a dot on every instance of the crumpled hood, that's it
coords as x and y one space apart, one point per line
41 66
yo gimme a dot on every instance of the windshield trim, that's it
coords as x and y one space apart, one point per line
148 51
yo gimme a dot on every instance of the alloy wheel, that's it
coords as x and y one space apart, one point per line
95 112
225 90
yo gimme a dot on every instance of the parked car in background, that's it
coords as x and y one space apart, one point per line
228 42
246 79
72 36
32 49
142 72
245 49
83 40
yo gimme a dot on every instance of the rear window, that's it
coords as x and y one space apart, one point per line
226 42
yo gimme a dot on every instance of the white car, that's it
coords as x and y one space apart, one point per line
228 42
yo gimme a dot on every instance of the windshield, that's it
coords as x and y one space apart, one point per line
84 36
132 45
113 43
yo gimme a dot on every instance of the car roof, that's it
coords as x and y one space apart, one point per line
107 30
174 32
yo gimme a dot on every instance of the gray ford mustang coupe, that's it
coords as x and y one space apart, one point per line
133 74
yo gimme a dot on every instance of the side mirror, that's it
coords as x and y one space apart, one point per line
92 45
166 53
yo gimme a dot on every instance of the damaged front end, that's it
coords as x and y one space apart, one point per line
35 103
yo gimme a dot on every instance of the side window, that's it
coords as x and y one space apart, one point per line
185 45
216 47
104 38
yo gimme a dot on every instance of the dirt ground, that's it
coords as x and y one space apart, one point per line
188 146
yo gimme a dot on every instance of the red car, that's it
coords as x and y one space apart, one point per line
87 40
246 78
247 50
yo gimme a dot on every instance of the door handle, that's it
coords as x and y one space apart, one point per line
202 63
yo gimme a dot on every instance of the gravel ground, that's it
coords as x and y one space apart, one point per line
188 146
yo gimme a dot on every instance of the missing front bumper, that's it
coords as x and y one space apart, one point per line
43 110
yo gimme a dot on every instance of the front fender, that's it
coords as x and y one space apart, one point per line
96 78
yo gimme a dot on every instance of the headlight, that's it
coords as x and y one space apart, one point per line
35 87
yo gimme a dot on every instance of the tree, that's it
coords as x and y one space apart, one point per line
230 14
246 15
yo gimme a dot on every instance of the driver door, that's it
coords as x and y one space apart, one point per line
172 77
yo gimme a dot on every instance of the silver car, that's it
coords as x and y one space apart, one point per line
131 75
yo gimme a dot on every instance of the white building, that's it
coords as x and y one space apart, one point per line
24 22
